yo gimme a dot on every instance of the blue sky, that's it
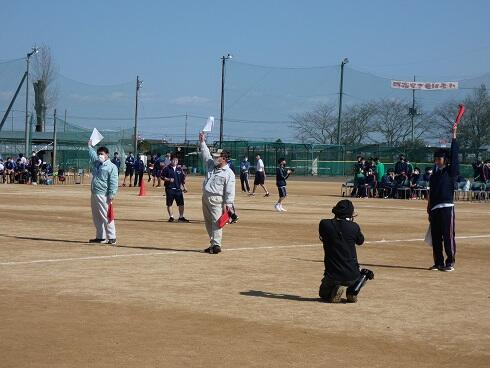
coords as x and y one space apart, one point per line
175 46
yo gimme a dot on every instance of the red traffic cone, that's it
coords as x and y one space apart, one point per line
142 189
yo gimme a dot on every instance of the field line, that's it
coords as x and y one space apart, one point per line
165 252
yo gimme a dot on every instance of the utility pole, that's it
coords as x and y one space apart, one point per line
345 61
64 124
412 111
139 83
221 119
54 141
34 51
185 129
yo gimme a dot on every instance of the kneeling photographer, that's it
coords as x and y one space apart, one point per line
340 236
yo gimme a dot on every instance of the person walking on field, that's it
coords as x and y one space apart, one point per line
129 169
440 206
282 174
260 176
244 171
174 182
218 193
103 189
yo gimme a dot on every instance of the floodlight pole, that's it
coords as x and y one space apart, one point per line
223 61
34 51
138 86
345 61
55 144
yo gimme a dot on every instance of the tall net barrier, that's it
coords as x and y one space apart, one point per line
332 160
262 102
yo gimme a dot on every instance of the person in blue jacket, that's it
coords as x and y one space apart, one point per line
103 189
244 171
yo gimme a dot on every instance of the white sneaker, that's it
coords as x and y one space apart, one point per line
277 207
283 209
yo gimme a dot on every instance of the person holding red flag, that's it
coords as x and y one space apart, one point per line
104 188
440 205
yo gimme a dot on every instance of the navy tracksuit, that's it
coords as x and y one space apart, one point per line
139 170
442 219
173 190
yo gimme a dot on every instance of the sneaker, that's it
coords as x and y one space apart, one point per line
234 219
267 194
351 298
277 206
251 194
183 219
283 209
111 242
171 219
214 249
97 241
447 269
124 184
435 268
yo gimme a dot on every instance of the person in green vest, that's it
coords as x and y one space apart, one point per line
380 170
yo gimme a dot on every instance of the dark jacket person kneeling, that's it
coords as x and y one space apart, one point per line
340 236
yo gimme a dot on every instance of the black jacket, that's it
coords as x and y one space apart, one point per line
281 176
442 181
339 239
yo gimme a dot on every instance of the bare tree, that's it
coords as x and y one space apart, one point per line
316 126
357 123
474 129
46 94
394 124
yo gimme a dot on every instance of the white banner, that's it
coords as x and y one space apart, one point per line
424 85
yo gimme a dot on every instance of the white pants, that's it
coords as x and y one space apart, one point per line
212 209
104 230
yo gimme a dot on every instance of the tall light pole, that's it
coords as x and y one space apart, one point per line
34 51
139 83
345 61
223 60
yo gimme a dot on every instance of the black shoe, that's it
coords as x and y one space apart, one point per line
215 249
97 241
234 219
171 219
183 219
267 194
447 269
111 242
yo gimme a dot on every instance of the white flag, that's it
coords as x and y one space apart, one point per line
96 137
209 124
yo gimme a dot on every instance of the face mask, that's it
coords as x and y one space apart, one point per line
101 158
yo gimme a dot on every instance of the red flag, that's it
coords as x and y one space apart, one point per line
224 219
459 116
110 213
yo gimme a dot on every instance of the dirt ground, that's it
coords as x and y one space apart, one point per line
157 301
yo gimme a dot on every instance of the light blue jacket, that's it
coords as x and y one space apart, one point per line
104 175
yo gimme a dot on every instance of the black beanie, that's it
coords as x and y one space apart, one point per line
343 209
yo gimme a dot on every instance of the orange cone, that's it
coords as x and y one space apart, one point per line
142 189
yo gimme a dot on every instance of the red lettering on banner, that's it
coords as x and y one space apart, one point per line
412 85
396 84
427 86
443 85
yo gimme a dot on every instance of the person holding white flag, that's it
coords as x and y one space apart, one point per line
104 189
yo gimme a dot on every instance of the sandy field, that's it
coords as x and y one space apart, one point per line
157 301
